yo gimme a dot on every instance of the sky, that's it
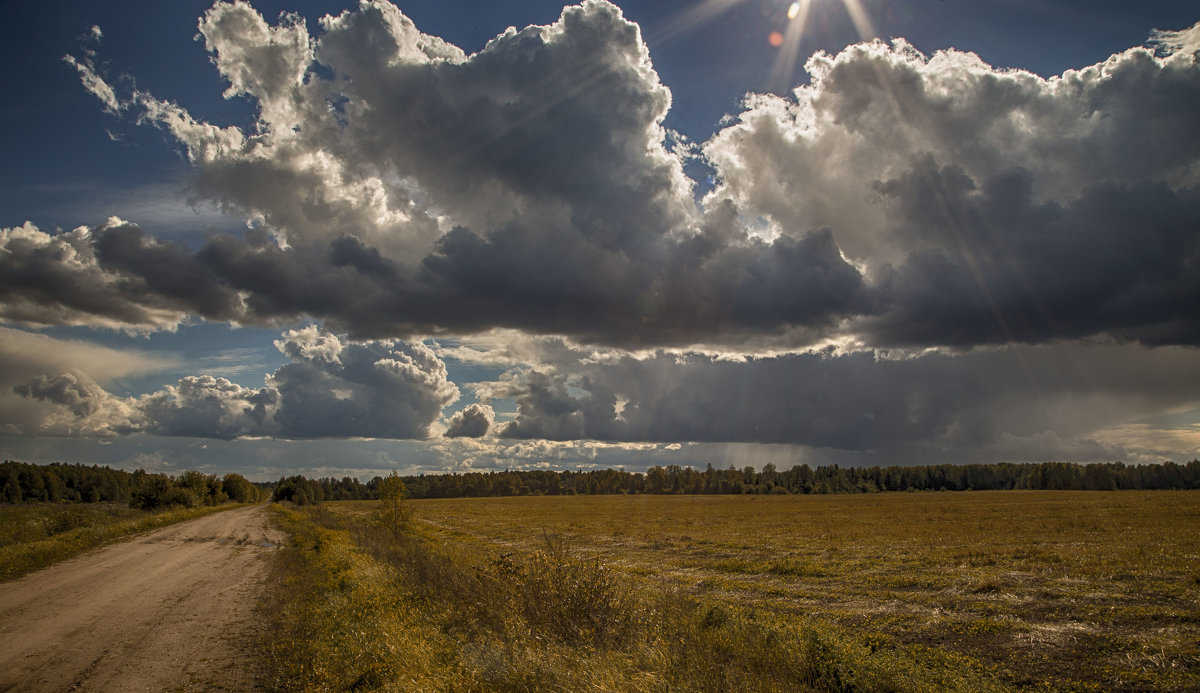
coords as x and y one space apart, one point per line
445 235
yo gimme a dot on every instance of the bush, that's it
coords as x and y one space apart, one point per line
573 600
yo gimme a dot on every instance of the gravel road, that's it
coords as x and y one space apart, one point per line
174 609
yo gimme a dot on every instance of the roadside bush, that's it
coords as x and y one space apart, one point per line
71 517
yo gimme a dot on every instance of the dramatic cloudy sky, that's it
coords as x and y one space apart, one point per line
339 238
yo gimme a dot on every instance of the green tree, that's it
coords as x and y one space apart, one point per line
10 490
393 513
239 490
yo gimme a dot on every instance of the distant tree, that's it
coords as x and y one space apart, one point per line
393 514
656 480
151 493
239 490
10 484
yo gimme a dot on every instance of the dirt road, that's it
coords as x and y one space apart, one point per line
168 610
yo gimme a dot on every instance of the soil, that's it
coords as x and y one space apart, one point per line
174 609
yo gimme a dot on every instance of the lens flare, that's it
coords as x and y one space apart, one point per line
789 46
775 39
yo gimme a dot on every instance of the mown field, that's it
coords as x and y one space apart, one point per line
968 591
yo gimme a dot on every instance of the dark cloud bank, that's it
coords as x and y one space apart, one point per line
405 189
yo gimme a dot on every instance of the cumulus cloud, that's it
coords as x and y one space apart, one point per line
473 421
59 279
408 188
55 386
208 407
421 189
79 407
331 389
874 111
379 389
988 205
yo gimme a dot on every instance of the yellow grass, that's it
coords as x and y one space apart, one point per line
899 592
1071 590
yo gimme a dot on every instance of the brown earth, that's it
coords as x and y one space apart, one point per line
175 609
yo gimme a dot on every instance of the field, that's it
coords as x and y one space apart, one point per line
1000 590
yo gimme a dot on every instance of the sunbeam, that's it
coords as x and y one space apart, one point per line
862 21
686 21
789 47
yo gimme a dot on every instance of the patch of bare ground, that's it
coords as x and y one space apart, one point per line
173 609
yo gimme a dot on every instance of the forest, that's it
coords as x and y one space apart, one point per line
76 483
800 479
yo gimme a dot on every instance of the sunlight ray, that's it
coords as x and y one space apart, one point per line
862 21
785 62
686 21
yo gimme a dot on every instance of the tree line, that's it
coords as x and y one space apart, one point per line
800 479
76 483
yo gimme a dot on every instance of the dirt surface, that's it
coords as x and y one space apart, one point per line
170 610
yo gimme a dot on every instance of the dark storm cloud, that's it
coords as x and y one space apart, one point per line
860 401
166 272
57 279
407 188
992 265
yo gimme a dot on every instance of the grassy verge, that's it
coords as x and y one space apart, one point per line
373 609
35 536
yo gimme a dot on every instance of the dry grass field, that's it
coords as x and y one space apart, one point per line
1008 590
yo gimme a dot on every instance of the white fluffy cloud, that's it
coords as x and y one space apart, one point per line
331 389
988 205
473 421
874 112
54 386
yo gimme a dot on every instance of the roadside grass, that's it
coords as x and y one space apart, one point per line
33 536
1049 590
373 608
